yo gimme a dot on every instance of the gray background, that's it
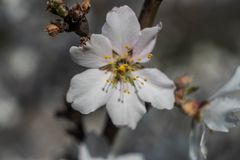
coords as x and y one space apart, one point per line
200 37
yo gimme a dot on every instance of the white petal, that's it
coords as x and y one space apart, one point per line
232 85
130 157
93 54
128 112
197 142
122 28
84 153
145 43
220 114
85 92
158 89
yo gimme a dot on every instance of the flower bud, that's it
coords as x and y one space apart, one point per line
86 6
57 7
184 80
191 108
53 30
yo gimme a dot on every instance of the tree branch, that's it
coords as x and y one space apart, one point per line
149 12
75 117
110 130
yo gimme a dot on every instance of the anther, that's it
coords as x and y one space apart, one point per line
107 57
127 47
123 67
149 56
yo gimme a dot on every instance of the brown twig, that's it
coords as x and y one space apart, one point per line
149 12
76 117
110 131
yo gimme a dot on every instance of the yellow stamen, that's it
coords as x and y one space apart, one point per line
123 68
106 57
125 54
149 56
127 47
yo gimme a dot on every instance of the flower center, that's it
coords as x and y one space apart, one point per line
122 68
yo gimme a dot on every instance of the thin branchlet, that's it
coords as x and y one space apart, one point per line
149 12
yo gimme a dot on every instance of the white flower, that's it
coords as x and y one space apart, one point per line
116 77
220 113
85 155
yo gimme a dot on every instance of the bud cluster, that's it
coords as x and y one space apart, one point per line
189 106
72 19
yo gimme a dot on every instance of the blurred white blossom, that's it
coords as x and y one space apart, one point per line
85 155
10 112
9 115
116 77
16 9
23 62
219 114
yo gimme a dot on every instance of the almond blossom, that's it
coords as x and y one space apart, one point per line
117 77
85 155
219 114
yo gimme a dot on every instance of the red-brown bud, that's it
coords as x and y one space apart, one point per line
191 108
86 6
53 30
184 81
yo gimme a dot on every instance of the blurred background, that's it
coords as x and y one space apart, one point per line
201 38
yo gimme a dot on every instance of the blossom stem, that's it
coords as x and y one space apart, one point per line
110 130
76 117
